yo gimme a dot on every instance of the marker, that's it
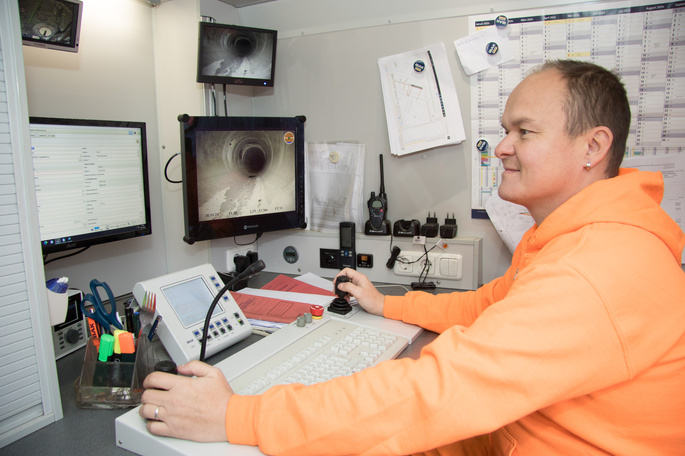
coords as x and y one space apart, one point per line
94 331
106 349
117 345
128 347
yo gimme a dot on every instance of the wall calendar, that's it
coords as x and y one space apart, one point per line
644 42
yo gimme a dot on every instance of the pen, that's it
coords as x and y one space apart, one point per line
128 313
136 322
151 334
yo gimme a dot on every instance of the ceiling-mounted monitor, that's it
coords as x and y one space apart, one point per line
236 55
242 175
51 24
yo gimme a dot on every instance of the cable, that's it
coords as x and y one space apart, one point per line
214 100
422 284
225 106
45 261
248 243
254 268
166 168
393 286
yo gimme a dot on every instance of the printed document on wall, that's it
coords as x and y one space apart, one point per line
672 168
421 105
335 172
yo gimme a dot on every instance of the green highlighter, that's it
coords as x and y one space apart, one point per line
106 349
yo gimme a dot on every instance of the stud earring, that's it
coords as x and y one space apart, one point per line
588 165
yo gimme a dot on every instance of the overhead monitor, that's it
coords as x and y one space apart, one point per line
91 181
242 175
231 54
51 24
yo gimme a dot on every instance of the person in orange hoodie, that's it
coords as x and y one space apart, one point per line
578 349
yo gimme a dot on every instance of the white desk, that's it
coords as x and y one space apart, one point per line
132 434
87 432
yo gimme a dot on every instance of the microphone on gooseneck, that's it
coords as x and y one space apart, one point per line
252 269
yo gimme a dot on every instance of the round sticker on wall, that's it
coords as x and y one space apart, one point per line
482 145
492 48
419 66
501 21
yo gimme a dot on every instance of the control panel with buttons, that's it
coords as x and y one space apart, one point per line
183 300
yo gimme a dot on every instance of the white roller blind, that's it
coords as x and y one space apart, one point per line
29 393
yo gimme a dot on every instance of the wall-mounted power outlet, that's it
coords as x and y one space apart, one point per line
440 265
235 251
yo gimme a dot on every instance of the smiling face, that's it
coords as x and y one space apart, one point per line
543 167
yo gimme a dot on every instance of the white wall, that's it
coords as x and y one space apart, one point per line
138 62
111 77
327 70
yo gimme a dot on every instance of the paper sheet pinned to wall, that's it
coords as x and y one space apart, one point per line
472 49
335 174
510 220
672 167
421 104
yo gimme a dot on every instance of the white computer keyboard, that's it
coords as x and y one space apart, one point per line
334 348
267 362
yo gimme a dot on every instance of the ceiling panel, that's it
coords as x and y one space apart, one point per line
241 3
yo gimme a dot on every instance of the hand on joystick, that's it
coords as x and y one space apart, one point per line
340 305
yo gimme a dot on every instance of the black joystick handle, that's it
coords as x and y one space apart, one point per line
167 366
341 294
340 305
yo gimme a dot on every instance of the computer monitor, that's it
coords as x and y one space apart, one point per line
242 175
51 24
231 54
91 181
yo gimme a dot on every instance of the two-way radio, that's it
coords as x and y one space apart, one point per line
378 207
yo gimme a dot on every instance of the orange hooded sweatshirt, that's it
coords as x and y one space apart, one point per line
578 349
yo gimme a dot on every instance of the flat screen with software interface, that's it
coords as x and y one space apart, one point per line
91 181
242 175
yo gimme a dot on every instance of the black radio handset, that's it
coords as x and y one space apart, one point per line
378 207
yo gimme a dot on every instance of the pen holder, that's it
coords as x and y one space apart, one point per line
112 385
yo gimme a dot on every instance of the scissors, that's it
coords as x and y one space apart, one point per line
97 309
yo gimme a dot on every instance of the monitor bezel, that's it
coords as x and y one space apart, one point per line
88 240
196 230
234 80
77 13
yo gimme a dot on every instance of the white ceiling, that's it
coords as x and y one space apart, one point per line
241 3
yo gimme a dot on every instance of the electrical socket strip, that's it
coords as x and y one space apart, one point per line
235 251
440 265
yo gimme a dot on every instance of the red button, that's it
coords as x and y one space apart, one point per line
317 311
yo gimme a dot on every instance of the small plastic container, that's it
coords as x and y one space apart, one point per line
110 385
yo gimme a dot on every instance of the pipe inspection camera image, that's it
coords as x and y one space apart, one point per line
236 53
244 173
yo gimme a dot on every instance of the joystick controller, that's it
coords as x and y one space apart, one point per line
340 305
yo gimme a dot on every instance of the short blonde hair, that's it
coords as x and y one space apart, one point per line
596 97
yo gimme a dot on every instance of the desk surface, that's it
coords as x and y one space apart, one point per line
87 432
